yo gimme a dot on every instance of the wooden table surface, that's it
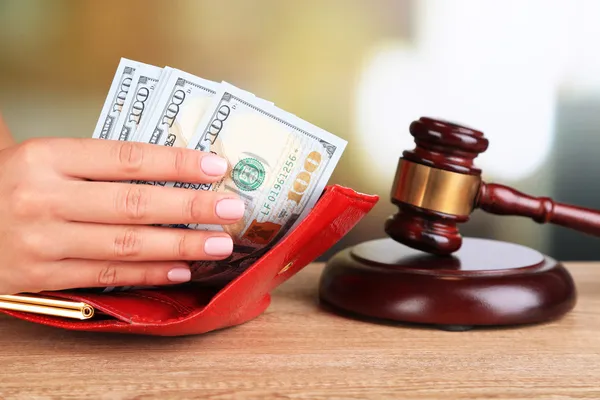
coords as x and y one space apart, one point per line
297 350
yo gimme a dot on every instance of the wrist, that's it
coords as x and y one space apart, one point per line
6 139
5 143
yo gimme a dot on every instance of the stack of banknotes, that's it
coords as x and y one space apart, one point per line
278 163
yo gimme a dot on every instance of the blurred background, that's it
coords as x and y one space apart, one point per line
525 72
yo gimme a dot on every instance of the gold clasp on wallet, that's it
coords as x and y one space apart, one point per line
39 305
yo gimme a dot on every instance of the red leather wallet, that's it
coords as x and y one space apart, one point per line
193 309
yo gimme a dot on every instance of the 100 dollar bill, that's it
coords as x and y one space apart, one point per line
115 99
278 165
178 110
137 102
156 95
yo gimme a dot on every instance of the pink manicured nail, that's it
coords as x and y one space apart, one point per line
179 275
218 246
213 165
230 209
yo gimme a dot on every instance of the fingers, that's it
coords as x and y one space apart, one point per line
121 161
140 243
78 273
120 203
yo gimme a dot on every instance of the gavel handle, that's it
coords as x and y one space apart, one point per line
503 200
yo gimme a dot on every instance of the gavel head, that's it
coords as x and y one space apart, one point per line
436 186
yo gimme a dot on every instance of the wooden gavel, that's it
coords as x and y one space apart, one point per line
437 187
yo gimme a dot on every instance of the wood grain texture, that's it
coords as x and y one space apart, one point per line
297 350
437 186
503 200
423 224
486 282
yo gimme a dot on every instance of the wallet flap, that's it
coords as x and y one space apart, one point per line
192 309
337 211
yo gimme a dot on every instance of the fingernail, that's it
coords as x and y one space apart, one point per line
179 275
230 208
218 246
213 165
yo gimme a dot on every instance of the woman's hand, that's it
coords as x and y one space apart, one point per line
65 224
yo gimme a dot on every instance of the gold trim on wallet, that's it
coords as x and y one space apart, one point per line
39 305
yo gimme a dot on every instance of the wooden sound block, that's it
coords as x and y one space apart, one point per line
485 283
